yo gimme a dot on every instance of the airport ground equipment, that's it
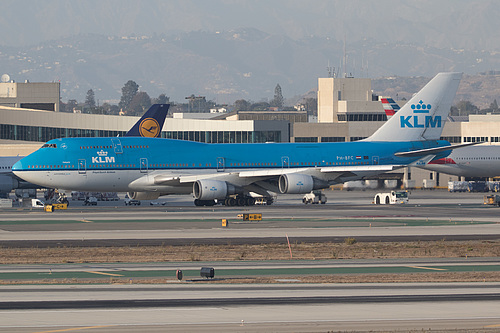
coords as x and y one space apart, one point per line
458 186
5 203
130 202
478 186
37 203
207 272
53 196
493 199
392 198
90 201
314 197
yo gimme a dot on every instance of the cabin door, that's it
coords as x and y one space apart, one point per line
82 167
144 165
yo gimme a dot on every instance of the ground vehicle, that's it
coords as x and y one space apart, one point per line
37 203
394 197
314 197
130 202
90 201
158 203
493 199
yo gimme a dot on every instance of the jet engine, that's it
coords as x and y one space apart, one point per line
208 189
143 195
299 183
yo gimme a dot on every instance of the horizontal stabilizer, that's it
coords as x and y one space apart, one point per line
429 151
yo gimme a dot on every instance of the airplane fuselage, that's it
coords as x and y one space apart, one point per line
474 161
128 163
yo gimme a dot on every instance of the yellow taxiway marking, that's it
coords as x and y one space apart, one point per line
76 329
86 221
431 268
492 326
102 273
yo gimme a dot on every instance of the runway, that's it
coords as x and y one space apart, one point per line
251 308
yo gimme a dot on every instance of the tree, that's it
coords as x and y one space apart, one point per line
464 108
71 105
241 105
494 106
162 99
129 91
278 97
261 106
140 103
90 99
110 109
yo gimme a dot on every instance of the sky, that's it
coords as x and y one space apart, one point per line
447 23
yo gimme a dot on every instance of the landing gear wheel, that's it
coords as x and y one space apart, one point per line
250 201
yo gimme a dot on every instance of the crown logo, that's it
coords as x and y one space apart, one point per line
102 153
421 107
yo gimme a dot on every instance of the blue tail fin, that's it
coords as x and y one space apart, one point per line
151 122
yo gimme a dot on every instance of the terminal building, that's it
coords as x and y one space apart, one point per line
348 110
29 95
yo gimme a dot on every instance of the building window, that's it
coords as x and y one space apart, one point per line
306 139
333 139
451 139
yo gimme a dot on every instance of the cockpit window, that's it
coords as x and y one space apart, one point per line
49 145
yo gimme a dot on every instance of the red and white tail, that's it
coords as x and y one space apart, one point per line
390 107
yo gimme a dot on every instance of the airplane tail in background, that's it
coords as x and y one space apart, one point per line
423 116
390 107
151 122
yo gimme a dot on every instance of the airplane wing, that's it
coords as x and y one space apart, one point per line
330 175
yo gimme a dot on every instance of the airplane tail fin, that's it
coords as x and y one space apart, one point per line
151 122
423 116
390 107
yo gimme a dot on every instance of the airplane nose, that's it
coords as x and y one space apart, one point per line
18 166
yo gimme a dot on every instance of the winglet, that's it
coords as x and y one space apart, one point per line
423 116
151 122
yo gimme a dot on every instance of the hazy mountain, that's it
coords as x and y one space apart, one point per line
468 24
243 63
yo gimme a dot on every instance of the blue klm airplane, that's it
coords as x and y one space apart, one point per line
148 167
